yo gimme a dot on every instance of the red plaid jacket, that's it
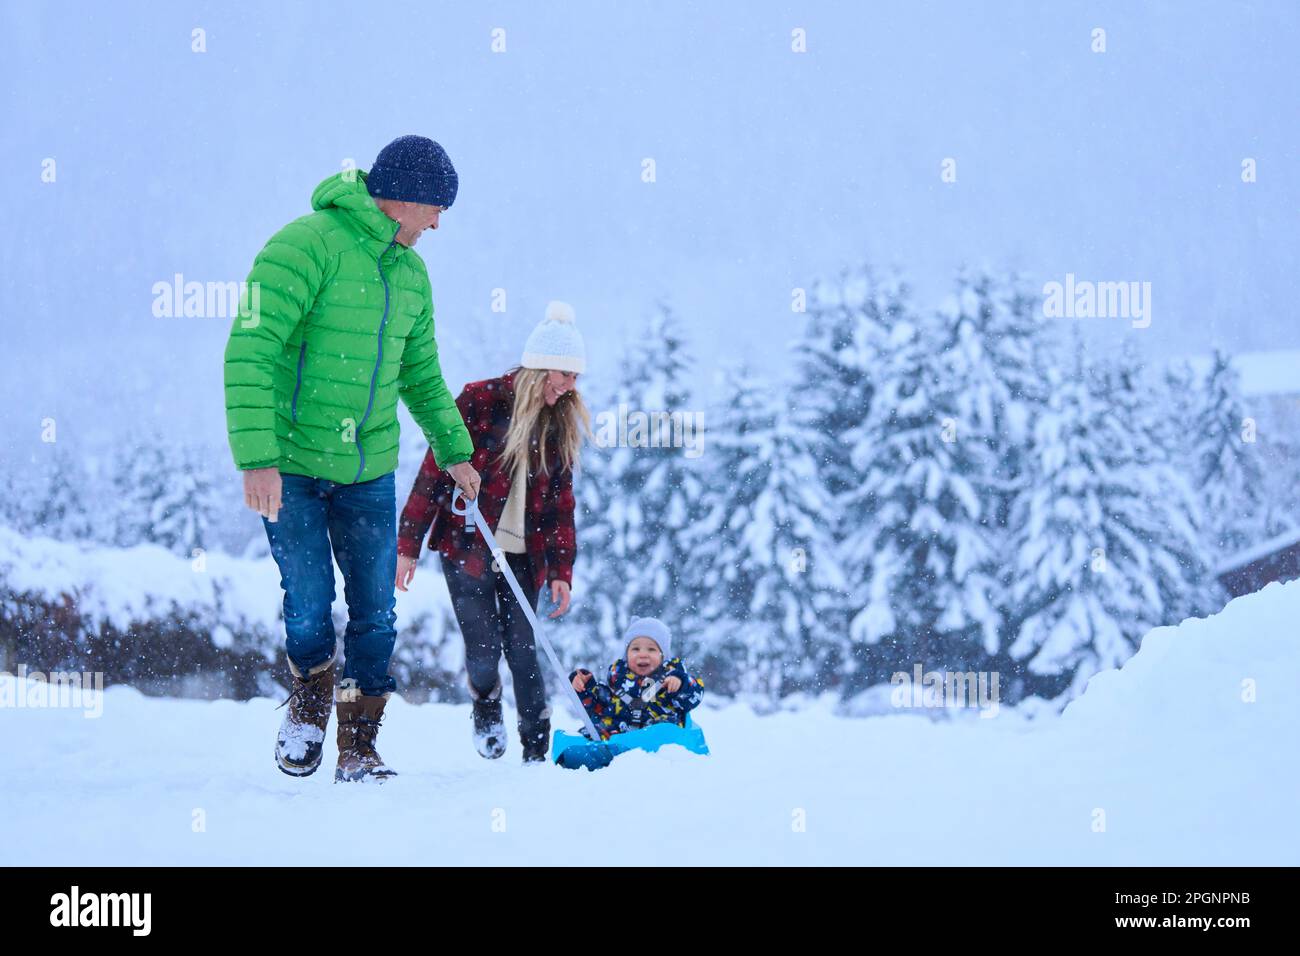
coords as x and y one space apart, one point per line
549 536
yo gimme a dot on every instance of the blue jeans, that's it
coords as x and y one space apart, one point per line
359 523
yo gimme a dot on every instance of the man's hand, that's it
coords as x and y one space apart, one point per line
262 491
405 571
466 478
560 596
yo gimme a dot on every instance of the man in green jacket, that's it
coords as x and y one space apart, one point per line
336 326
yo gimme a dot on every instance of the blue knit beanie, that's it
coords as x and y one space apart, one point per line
413 169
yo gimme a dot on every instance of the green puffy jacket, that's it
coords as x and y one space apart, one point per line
337 323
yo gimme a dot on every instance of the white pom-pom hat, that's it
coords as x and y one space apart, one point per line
556 342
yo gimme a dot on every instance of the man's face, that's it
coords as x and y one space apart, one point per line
414 217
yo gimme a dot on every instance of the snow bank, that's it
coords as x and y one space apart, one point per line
1173 759
120 586
1227 677
234 603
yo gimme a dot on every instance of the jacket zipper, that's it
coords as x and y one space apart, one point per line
379 355
297 385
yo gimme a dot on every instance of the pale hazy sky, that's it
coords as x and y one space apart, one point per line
773 168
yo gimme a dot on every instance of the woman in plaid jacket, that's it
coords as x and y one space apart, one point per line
527 426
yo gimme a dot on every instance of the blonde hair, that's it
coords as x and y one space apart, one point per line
568 420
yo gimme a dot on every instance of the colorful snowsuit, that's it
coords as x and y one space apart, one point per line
618 704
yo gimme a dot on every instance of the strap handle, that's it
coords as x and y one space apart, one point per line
474 518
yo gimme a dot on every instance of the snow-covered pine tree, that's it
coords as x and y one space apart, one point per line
586 635
1185 583
64 497
1281 492
137 474
914 540
847 323
1106 532
996 357
837 370
764 548
22 484
651 485
166 493
192 507
1179 398
997 350
1226 457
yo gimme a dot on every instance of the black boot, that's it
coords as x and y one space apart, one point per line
489 723
536 738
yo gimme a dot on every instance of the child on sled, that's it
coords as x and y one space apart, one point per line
645 686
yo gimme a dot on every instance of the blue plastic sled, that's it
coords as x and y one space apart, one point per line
572 751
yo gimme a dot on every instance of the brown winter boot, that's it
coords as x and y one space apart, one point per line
301 739
359 718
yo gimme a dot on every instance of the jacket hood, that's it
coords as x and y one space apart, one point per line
347 191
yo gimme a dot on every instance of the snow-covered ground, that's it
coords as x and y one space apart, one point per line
1187 755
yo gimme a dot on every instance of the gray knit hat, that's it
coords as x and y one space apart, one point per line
652 628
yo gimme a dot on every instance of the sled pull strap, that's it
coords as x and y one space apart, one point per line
466 512
474 518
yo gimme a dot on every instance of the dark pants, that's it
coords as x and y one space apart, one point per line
359 524
491 621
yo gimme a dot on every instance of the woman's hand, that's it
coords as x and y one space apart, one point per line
405 571
560 596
